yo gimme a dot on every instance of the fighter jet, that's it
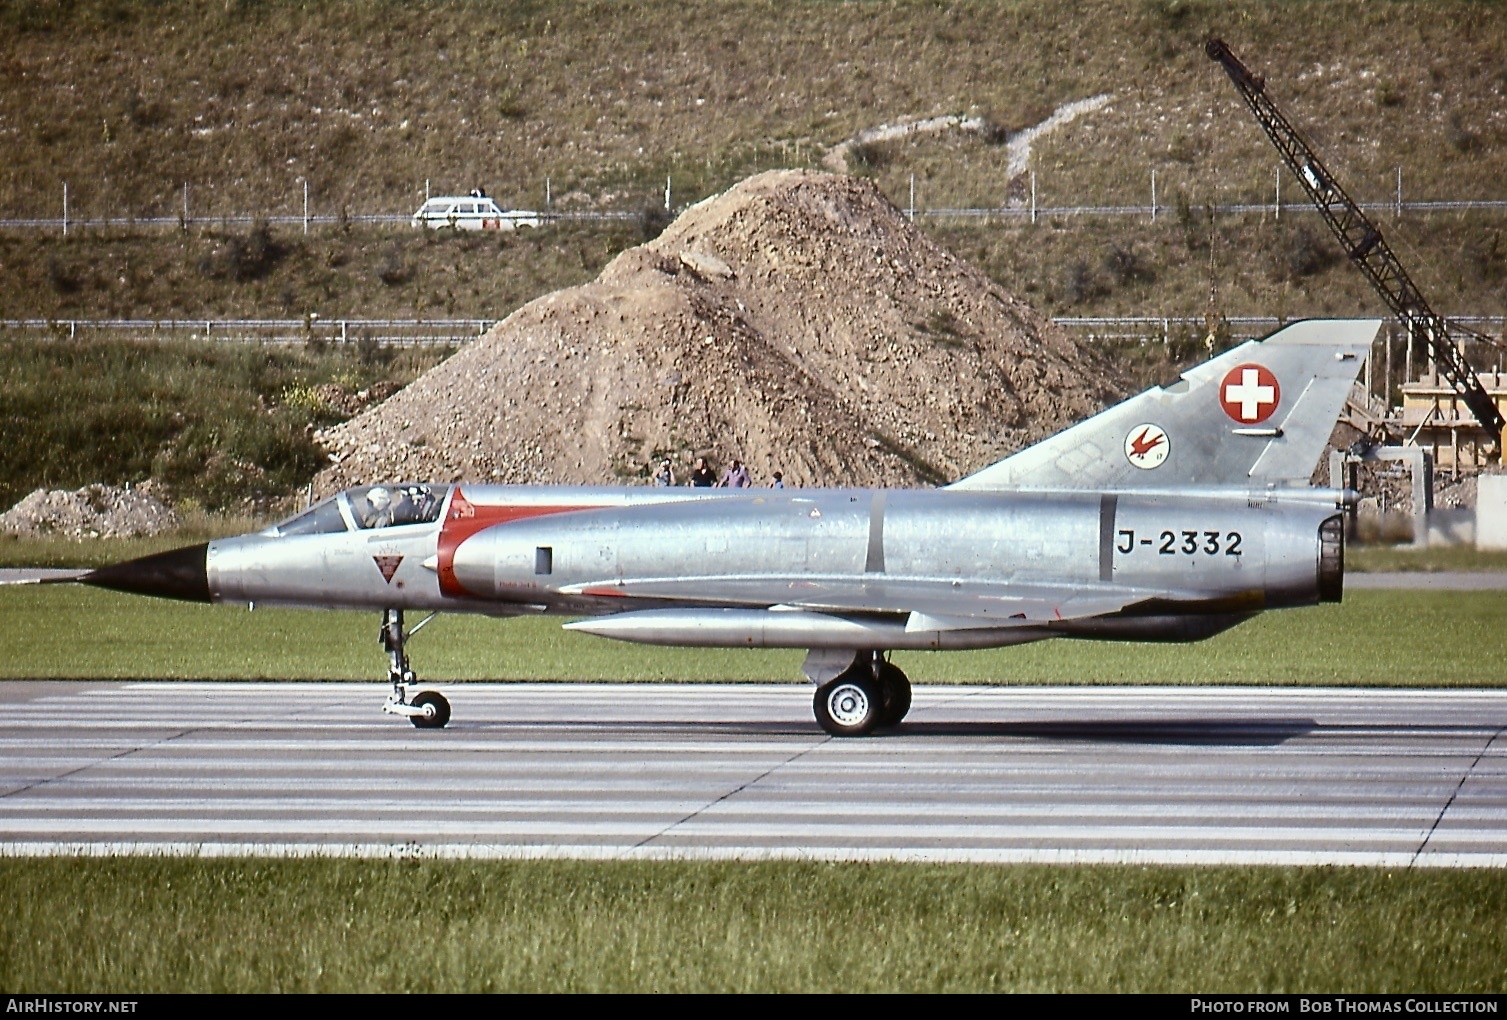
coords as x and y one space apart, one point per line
1172 516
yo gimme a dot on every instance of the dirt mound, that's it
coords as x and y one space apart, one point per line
95 511
797 321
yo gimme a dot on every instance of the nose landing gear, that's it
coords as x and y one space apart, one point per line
428 709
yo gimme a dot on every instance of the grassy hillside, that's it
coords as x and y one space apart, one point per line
243 103
225 426
238 106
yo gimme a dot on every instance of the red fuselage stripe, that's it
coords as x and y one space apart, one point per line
465 519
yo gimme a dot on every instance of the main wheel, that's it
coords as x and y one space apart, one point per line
849 705
894 688
436 710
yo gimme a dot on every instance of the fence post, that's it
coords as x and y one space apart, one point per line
65 208
913 198
1277 209
1033 196
1399 193
306 205
1153 195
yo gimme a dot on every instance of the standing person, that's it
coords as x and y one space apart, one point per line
779 481
736 476
702 475
664 476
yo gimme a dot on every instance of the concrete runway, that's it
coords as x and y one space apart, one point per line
988 774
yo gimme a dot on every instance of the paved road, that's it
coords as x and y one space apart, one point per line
31 575
1447 580
1174 775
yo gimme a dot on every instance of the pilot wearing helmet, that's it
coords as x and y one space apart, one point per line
377 513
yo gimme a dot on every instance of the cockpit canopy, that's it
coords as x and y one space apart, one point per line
368 506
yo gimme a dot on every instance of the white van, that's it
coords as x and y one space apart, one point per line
467 212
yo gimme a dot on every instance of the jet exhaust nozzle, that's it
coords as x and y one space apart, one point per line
176 574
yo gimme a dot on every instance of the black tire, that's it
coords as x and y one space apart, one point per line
440 710
894 687
849 705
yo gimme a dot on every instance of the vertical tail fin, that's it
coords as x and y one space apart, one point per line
1259 414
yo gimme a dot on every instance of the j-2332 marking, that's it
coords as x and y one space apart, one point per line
1183 542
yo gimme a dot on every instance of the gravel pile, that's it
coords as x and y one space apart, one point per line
797 321
95 511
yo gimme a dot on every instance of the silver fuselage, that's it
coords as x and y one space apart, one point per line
721 558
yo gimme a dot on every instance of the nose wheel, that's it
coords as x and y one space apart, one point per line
428 709
434 708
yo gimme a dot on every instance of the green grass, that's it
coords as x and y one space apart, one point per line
1373 638
225 426
143 925
1406 559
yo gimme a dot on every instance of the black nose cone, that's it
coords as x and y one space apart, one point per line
179 574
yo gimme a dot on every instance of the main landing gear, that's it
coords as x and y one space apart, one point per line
870 694
428 709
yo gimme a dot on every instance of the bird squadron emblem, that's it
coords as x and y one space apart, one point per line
1146 446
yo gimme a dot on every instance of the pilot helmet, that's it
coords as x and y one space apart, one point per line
379 498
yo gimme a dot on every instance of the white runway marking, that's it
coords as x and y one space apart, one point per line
1198 775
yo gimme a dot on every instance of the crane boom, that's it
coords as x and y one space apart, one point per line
1364 244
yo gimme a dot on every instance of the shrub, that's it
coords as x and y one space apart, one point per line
1304 253
243 259
65 278
1124 265
145 113
1080 284
652 221
1388 93
867 158
395 271
1461 138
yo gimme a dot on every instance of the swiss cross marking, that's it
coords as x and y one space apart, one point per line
1249 394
